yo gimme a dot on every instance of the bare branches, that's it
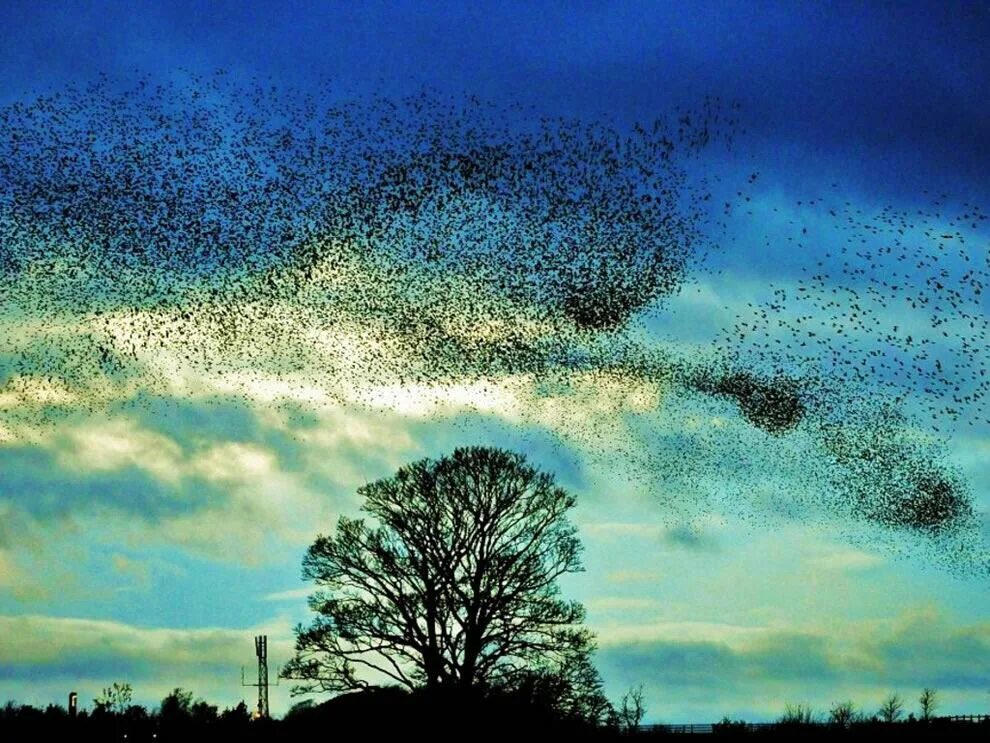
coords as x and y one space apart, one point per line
927 702
892 708
454 584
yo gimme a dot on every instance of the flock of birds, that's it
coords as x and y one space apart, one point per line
895 300
252 231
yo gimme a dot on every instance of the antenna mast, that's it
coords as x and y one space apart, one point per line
261 650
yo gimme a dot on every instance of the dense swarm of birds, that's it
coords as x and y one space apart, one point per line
886 327
252 231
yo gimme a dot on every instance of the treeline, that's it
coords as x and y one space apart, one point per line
973 727
377 711
114 718
845 713
847 720
391 711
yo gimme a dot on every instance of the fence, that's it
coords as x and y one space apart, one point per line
967 718
701 728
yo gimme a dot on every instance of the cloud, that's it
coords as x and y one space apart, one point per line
621 604
691 538
845 560
635 576
217 474
36 483
137 573
611 530
758 666
45 652
35 645
10 573
291 594
118 444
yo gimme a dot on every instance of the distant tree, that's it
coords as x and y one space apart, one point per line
572 691
798 714
176 706
454 585
928 702
892 708
843 714
237 714
300 708
632 708
56 712
729 727
115 699
202 712
136 713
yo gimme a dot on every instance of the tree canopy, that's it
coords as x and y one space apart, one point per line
454 585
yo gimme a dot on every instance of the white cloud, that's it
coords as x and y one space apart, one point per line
611 530
845 560
619 634
291 594
101 445
621 604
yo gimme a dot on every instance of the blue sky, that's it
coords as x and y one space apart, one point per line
148 538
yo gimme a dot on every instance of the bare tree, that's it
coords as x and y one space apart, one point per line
453 586
843 713
632 708
798 714
892 708
928 701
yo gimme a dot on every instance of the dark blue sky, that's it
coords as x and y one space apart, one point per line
904 85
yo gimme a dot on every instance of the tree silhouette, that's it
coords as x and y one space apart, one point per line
798 714
632 708
843 714
176 706
928 701
455 585
892 708
114 699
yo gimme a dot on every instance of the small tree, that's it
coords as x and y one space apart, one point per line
892 708
177 706
928 702
115 699
454 585
236 715
202 712
632 708
843 713
798 714
572 691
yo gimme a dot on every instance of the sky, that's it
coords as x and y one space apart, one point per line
155 521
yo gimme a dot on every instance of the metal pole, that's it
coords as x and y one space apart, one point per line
261 650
